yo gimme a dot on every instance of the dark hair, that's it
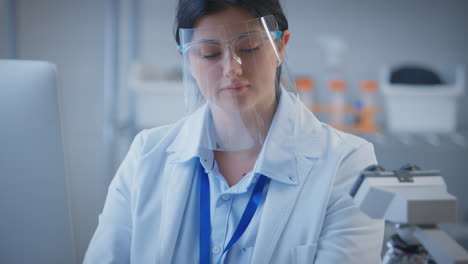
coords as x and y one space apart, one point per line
189 10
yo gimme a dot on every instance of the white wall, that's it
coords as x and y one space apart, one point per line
158 46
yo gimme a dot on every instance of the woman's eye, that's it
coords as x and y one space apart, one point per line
211 56
249 50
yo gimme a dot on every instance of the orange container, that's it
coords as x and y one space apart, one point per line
337 85
304 84
369 86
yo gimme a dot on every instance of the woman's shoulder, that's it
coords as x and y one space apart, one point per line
158 137
328 138
337 142
343 139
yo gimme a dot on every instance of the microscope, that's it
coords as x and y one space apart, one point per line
415 201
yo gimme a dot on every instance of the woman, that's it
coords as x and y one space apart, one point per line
251 176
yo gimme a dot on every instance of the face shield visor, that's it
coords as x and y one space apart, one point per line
232 72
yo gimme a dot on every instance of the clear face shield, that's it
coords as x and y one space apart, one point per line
233 70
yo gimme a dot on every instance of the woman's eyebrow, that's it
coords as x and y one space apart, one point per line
206 41
250 32
245 34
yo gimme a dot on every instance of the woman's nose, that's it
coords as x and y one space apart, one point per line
232 65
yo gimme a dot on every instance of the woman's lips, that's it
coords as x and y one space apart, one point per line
236 88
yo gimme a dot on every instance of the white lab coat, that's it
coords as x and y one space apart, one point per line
313 219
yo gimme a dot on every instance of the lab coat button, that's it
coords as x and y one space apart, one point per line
215 250
225 197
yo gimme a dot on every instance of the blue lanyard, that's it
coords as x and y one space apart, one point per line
205 217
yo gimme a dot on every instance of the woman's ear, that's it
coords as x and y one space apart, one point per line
285 36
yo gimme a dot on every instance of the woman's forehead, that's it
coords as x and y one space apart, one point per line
226 32
228 22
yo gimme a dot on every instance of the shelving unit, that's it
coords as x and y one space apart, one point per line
157 101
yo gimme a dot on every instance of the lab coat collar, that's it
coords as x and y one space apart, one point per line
187 143
290 137
293 135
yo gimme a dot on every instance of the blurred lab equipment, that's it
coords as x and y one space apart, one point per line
357 118
337 89
415 201
368 108
305 88
420 100
334 50
415 75
35 225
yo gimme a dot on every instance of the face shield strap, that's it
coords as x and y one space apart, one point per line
278 35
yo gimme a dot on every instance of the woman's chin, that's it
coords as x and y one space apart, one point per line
238 105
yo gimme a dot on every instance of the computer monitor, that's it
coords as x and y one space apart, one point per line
35 219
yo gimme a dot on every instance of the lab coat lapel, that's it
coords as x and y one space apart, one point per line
182 153
296 145
279 203
175 200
